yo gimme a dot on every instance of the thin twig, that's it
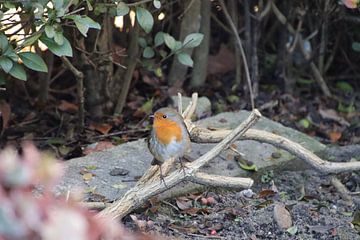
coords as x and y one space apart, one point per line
180 106
342 190
246 67
80 90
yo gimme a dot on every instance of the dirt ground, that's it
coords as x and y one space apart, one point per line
315 207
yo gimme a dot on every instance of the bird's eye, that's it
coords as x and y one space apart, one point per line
164 116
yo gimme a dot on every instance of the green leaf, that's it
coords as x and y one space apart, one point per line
32 39
82 28
305 123
157 4
178 46
60 12
158 72
356 46
142 42
122 9
59 38
9 52
193 40
59 50
346 109
88 22
17 71
100 8
89 5
145 19
159 39
58 4
147 106
33 61
6 64
148 52
83 23
185 59
40 10
50 31
344 86
304 81
246 164
163 53
169 41
4 43
9 5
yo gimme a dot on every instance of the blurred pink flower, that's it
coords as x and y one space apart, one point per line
351 3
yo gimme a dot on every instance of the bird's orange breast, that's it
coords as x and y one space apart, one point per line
167 130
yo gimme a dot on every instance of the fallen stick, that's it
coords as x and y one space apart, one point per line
150 185
203 135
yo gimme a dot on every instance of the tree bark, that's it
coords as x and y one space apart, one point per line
189 24
202 52
131 62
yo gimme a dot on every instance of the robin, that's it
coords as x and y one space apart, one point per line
169 137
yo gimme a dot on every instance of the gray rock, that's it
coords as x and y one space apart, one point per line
135 158
341 153
203 107
233 119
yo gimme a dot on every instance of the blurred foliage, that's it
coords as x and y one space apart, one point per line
45 20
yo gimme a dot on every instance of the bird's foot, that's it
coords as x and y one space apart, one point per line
183 166
162 178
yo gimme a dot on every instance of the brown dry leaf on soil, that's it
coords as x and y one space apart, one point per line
334 136
97 147
184 203
69 107
267 193
282 216
103 128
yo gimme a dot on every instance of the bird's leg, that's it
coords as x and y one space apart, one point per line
182 165
162 177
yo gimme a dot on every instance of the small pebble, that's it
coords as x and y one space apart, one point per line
247 193
230 166
118 172
276 155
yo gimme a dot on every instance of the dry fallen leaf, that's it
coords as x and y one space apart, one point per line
66 106
103 128
282 216
334 136
333 115
141 224
183 203
119 186
87 176
266 193
96 147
